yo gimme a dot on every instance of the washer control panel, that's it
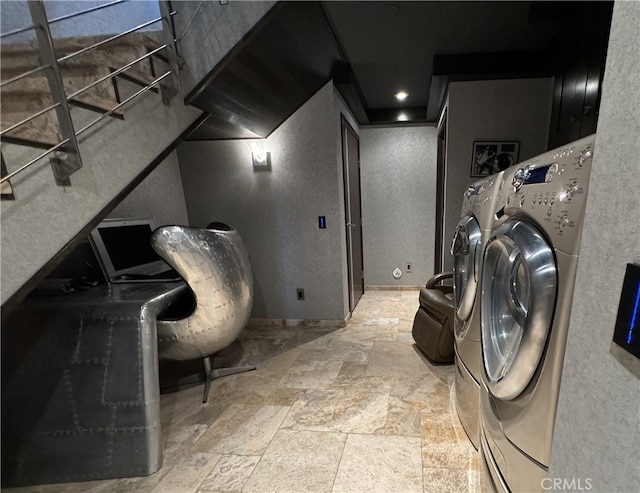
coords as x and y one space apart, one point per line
552 189
480 199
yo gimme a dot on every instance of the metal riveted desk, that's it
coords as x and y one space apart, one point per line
80 391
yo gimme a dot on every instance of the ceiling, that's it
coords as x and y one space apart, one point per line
371 50
392 46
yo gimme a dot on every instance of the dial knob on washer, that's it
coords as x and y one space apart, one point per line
586 153
553 169
519 178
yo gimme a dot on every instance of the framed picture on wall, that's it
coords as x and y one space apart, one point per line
491 157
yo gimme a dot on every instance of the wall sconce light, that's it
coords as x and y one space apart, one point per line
261 159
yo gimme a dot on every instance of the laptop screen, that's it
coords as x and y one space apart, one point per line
123 247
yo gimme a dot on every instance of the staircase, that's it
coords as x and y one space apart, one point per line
120 142
32 94
53 86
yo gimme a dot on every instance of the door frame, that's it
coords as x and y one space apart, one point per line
345 126
441 174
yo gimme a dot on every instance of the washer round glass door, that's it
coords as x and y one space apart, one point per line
465 249
519 289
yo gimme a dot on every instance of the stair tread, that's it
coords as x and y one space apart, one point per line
32 94
33 134
98 104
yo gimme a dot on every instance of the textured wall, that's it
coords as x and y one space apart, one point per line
518 109
159 196
598 423
277 211
215 30
398 167
44 217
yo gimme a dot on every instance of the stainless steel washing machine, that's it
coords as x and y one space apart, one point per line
469 239
527 285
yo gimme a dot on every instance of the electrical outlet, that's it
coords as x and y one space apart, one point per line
300 294
408 267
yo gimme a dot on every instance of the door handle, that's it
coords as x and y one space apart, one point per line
351 225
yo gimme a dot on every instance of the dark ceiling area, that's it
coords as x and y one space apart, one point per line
391 46
372 50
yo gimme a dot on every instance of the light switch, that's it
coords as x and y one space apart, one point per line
627 331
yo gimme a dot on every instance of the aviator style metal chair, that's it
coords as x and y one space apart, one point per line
215 264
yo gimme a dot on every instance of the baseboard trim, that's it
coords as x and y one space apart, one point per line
392 288
296 322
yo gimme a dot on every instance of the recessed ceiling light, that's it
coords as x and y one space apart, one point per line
401 95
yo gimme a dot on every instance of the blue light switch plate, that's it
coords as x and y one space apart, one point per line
322 222
627 331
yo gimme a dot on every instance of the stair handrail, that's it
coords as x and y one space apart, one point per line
130 98
67 159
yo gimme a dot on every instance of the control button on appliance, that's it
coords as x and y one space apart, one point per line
564 222
553 169
587 152
519 178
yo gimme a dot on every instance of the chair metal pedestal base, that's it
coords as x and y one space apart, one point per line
210 375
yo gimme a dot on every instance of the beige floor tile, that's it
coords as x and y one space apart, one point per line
405 337
444 446
175 438
350 371
298 461
187 475
261 389
474 481
278 363
334 349
403 423
242 430
392 359
311 375
380 464
365 334
439 480
347 411
230 473
375 319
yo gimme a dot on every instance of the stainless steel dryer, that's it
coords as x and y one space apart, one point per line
469 239
527 287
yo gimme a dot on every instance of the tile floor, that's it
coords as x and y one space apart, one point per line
328 410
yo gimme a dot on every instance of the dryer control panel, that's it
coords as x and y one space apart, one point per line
479 199
552 188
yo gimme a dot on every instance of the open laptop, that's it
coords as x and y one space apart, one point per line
124 251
